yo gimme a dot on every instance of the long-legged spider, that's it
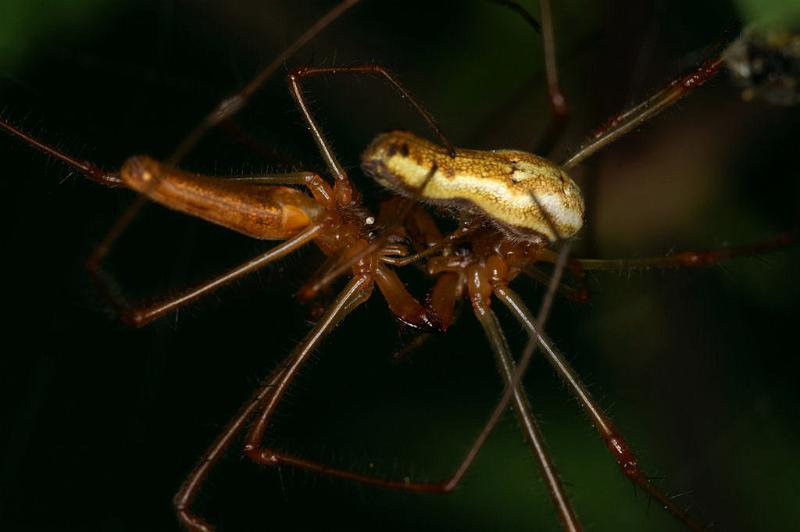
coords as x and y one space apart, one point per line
221 405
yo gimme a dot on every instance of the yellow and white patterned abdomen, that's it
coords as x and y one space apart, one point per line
509 187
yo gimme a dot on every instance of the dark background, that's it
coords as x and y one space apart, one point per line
100 423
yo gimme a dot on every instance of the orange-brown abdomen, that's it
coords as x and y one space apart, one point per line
266 212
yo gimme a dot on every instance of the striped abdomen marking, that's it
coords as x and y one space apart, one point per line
507 186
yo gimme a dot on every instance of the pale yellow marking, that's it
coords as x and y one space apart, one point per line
502 183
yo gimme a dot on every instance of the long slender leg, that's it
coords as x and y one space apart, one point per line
527 356
493 331
623 454
633 118
480 292
271 391
557 100
88 169
225 110
378 70
222 201
98 175
681 259
578 293
558 103
191 486
141 315
232 105
345 193
690 259
267 456
273 457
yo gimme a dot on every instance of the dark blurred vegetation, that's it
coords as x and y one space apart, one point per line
101 423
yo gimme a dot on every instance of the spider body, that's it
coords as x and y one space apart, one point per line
197 368
510 188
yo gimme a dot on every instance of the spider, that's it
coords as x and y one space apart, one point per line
185 329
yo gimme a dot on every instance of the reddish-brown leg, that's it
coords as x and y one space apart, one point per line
446 292
577 293
480 288
270 393
479 279
558 103
399 300
374 70
182 501
691 259
402 304
623 454
224 111
89 169
497 272
636 116
343 187
142 314
614 440
228 107
344 192
273 457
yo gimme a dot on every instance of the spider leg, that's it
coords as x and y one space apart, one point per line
269 394
171 188
256 206
272 457
691 259
233 104
142 314
345 193
522 408
88 169
623 123
558 103
623 454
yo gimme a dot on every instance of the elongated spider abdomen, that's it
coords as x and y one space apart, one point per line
263 212
509 187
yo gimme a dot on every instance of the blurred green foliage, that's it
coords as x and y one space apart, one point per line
785 12
26 25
